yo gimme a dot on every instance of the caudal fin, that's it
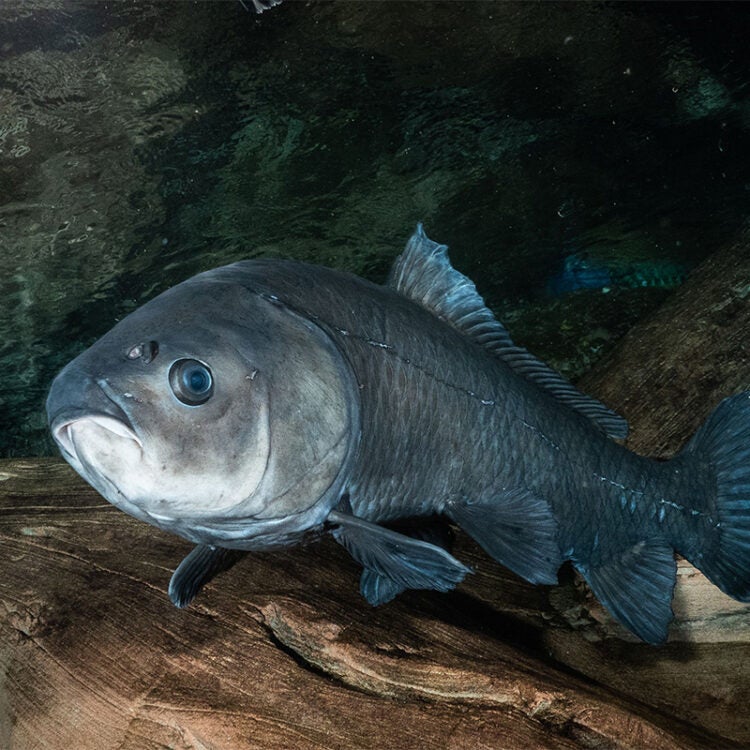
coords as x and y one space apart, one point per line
723 445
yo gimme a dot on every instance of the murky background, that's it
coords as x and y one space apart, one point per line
579 159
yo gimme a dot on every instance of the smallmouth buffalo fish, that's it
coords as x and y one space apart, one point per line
267 400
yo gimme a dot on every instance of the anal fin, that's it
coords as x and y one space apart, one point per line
197 569
518 529
636 586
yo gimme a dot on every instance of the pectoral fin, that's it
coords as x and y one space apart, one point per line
197 569
404 562
378 589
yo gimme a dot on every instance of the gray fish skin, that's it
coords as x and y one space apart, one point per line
368 404
242 469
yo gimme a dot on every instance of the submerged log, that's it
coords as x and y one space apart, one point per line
281 651
666 376
669 372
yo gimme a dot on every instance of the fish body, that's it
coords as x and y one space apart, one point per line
268 400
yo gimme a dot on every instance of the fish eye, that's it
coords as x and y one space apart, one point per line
191 381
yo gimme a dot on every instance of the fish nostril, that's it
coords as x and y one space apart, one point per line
145 351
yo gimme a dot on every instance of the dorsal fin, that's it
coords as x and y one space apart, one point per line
424 274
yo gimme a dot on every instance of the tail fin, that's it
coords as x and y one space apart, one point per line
723 442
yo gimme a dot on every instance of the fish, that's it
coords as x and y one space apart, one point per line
581 272
270 402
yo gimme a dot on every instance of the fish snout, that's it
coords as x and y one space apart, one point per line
78 402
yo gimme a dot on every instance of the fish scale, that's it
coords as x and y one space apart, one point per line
509 450
411 456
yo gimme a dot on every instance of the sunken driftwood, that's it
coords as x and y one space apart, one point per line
281 652
666 376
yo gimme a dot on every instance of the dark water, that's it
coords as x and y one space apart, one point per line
143 142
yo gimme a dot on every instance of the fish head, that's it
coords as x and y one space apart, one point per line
214 412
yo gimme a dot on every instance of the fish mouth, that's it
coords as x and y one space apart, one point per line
84 411
97 445
66 428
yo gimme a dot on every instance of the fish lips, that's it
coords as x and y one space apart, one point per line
76 400
64 425
78 430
